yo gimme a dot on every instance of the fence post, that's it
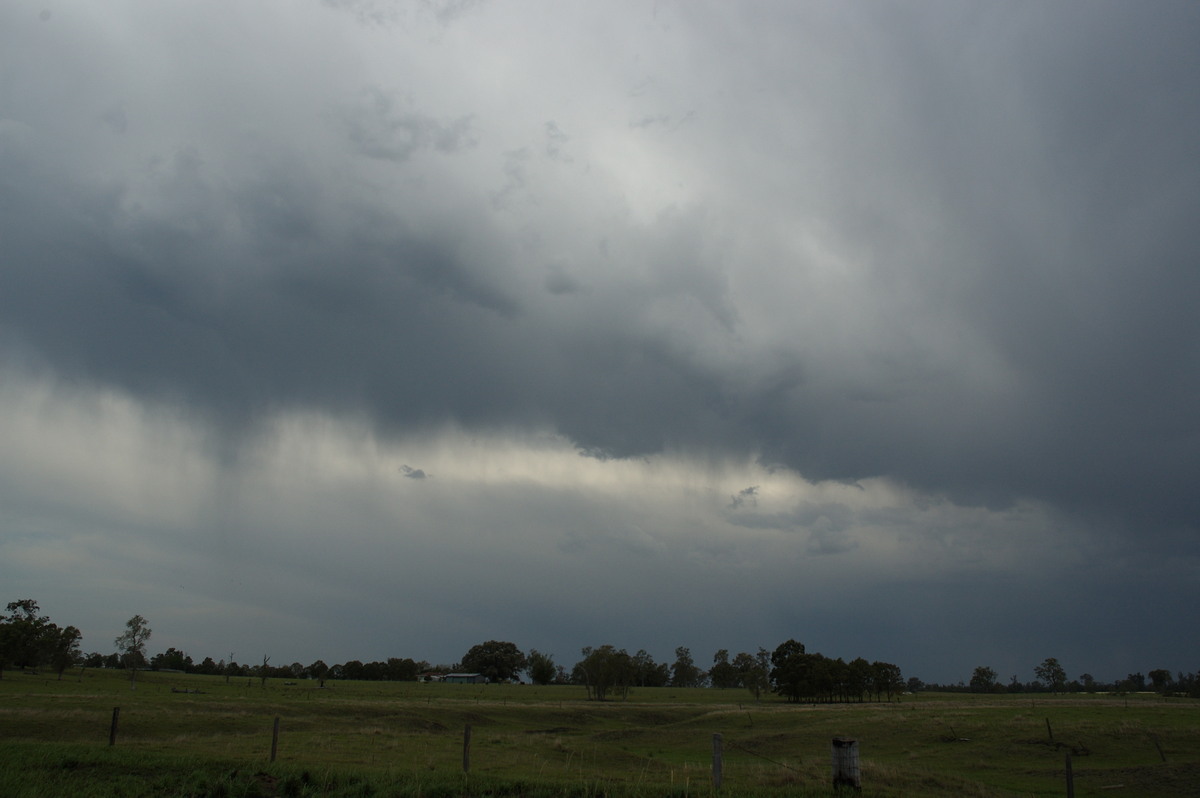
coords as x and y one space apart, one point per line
845 763
716 761
275 738
467 748
1070 778
1161 755
112 730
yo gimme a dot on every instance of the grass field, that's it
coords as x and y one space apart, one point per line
407 739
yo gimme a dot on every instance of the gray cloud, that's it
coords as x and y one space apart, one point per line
950 246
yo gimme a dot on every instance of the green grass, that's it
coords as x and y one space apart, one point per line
406 739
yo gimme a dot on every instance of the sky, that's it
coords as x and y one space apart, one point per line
356 329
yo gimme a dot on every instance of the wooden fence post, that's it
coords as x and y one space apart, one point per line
112 730
1070 778
467 748
275 738
845 763
716 761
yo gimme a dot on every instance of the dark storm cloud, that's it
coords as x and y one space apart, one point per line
1028 173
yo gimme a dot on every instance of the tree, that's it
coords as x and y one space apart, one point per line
604 671
64 648
318 670
23 635
497 660
171 660
723 673
1161 679
754 671
1051 674
983 680
647 672
684 672
1134 683
402 670
542 669
886 678
132 645
861 678
791 671
264 671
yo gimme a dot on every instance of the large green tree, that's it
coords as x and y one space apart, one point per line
605 671
542 669
498 660
25 635
791 671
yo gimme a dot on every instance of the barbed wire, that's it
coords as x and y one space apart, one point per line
732 744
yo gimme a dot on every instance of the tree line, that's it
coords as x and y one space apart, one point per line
1051 677
29 640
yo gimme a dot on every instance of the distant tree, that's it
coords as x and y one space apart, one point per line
792 671
605 671
914 685
402 670
499 661
264 671
1088 682
754 671
1051 674
1134 683
647 672
64 648
886 679
983 680
684 672
208 667
318 670
542 669
171 660
861 676
1160 679
132 645
723 674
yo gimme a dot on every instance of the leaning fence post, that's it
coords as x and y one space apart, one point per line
845 763
275 738
467 748
716 763
112 730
